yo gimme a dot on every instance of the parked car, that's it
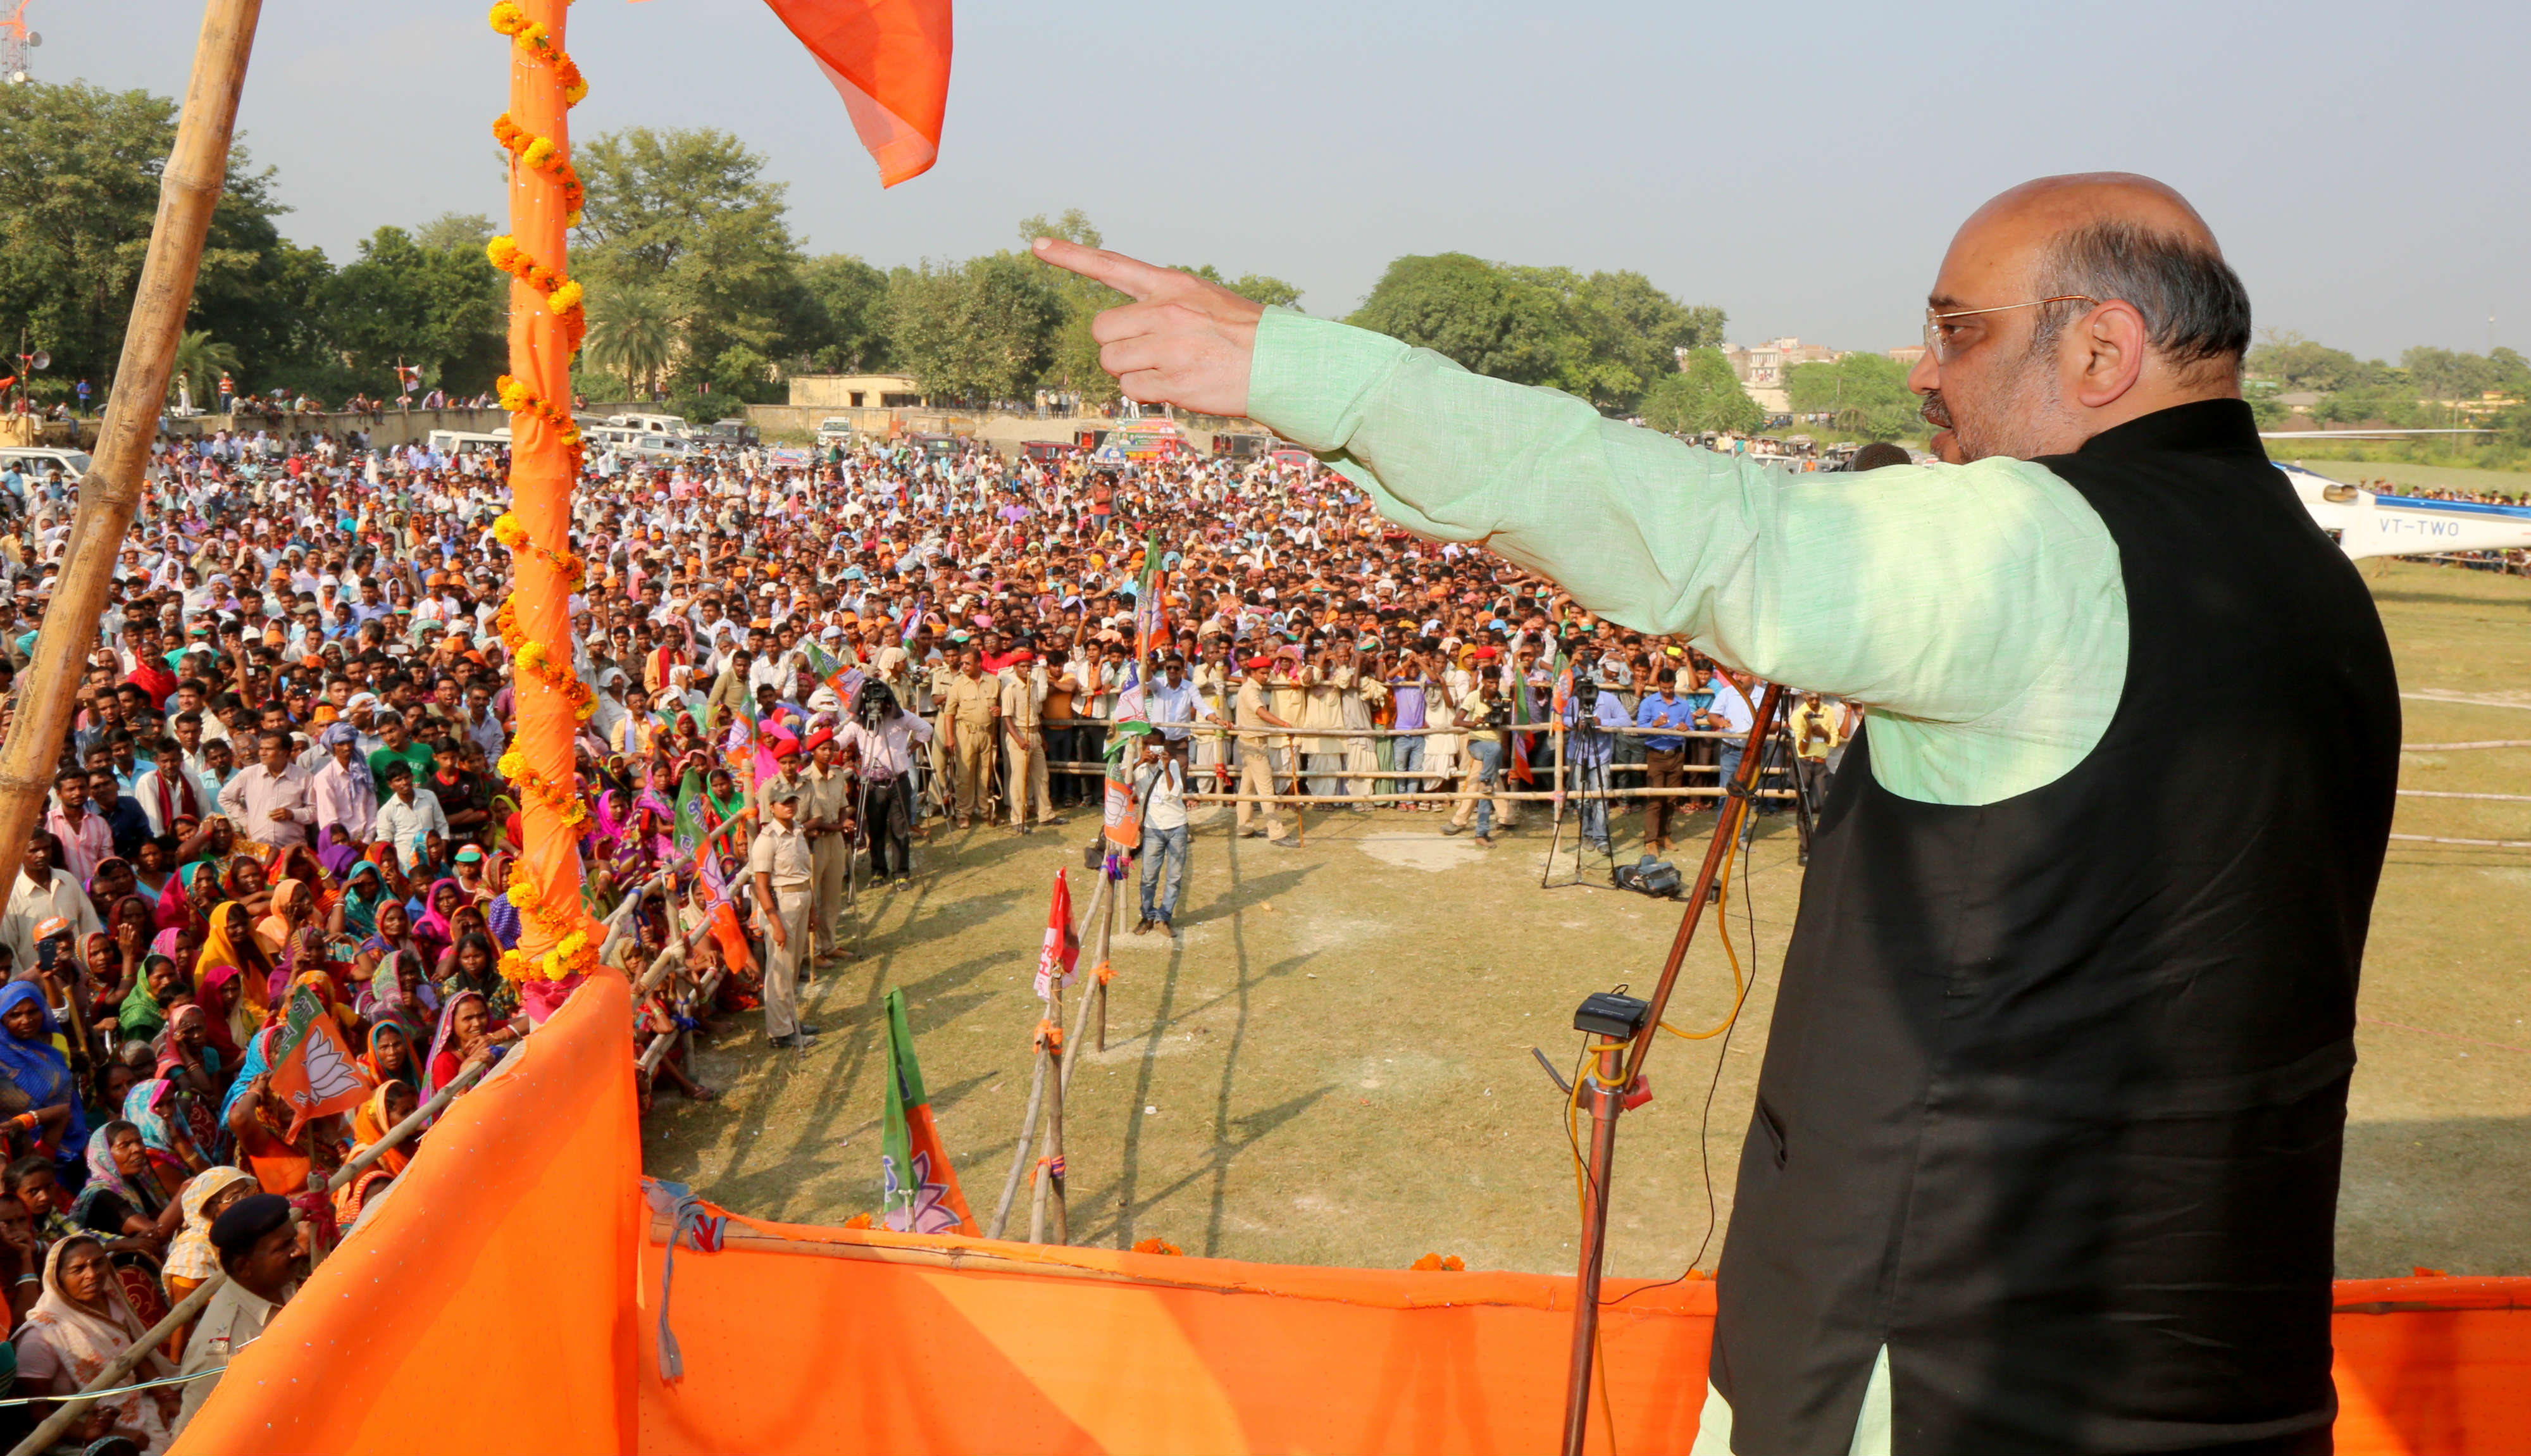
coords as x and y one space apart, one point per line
729 432
833 432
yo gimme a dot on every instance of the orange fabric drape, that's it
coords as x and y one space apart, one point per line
506 1245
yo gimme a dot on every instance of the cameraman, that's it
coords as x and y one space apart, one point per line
1589 750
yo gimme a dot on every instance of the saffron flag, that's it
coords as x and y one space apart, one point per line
918 1191
1524 710
889 60
312 1071
1063 949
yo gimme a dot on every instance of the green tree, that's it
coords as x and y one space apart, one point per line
1606 337
201 361
840 317
1864 393
984 329
1263 288
631 332
442 308
2297 364
459 230
690 214
741 376
78 194
2445 375
1704 395
1074 366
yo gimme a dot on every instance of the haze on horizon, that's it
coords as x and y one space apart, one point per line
2355 164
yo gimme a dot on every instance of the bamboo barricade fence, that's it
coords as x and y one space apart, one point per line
191 1305
188 191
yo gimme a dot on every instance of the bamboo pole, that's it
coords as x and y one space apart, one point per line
110 493
1029 1118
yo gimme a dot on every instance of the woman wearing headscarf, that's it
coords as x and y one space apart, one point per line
292 907
393 1055
80 1325
392 936
431 932
143 1015
465 1036
155 880
257 1125
391 1103
397 991
191 1259
40 1070
156 1107
124 1196
355 910
199 1071
232 942
242 879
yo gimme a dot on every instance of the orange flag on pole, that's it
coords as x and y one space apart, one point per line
1061 953
889 60
311 1070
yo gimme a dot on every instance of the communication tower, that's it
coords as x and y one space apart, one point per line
15 41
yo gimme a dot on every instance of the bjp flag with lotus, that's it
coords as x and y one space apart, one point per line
313 1073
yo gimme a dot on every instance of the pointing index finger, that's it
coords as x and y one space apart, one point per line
1132 277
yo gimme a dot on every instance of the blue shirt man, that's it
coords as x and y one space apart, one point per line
1664 709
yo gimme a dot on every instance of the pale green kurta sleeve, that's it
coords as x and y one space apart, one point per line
1976 611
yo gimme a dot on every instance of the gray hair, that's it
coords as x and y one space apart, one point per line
2194 307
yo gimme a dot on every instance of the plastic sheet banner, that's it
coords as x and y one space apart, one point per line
517 1250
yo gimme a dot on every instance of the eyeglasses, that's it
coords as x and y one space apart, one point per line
1938 333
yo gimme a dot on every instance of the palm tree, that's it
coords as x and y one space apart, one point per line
201 361
631 331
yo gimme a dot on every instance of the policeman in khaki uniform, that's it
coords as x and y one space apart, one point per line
826 814
966 713
1259 754
1023 709
785 872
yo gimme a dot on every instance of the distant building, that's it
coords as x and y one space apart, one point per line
1764 369
1908 354
855 391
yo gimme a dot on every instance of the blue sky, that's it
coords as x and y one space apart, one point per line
1802 166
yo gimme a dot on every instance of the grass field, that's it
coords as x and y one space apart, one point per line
1332 1063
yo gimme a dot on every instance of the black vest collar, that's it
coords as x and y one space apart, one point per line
2198 428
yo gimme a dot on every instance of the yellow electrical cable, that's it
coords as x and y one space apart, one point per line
1731 953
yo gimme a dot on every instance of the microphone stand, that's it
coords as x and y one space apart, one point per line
1619 1063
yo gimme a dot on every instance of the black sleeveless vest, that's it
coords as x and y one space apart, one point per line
2054 1091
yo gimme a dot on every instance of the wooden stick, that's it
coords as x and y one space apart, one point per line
109 494
1029 1121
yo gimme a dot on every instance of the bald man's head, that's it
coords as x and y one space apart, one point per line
2070 304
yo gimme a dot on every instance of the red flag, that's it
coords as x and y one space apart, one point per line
1063 949
889 60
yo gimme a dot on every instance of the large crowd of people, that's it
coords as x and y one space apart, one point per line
285 772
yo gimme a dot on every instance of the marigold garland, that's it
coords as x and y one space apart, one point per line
508 18
572 954
563 296
519 398
545 155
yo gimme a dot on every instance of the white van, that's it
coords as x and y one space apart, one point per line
672 425
454 441
34 461
834 431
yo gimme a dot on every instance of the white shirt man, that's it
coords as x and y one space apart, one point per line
408 813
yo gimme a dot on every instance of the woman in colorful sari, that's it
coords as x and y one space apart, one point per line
473 966
191 1259
125 1198
292 907
77 1328
156 1107
143 1015
391 1103
431 932
355 910
391 1056
186 1058
242 879
300 862
399 993
29 1059
465 1037
257 1123
232 942
393 937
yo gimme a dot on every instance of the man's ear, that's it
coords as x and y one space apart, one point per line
2109 359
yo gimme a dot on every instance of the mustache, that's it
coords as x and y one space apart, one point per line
1934 412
